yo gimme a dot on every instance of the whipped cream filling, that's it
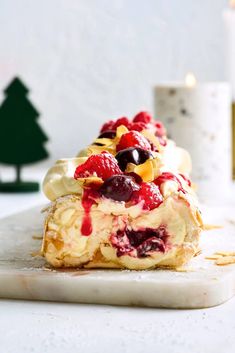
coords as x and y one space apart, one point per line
65 245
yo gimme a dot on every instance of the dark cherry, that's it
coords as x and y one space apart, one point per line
133 155
136 177
137 237
143 241
152 244
110 134
119 187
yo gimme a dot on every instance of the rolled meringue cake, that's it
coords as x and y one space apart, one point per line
126 201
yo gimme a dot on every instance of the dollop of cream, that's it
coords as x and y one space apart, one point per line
176 159
59 180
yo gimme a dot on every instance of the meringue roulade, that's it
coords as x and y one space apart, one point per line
121 206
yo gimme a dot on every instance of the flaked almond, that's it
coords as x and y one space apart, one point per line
152 138
225 253
104 141
52 226
93 149
66 216
227 260
213 257
90 180
211 226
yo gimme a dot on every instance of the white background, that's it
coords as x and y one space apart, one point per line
86 61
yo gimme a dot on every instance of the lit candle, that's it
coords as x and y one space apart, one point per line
197 116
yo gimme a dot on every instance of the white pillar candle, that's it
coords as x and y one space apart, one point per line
229 19
197 117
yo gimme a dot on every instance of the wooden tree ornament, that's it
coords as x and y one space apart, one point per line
21 138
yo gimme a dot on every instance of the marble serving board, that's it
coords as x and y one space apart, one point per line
24 276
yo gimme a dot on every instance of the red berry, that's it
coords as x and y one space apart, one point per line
160 129
121 121
102 165
133 139
107 126
144 117
138 126
149 194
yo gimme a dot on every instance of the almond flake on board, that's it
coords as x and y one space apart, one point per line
225 253
225 260
211 226
37 237
213 257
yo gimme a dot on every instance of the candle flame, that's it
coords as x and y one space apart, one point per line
232 3
190 80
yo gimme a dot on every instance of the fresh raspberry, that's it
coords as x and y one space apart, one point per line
121 121
138 126
107 126
144 117
133 139
160 129
150 194
103 165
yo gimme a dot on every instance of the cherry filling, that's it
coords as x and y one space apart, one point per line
140 243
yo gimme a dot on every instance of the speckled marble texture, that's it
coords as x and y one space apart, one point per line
199 119
26 277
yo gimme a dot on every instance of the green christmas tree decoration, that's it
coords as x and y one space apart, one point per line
21 138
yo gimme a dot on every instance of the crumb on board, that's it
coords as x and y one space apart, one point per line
231 221
36 253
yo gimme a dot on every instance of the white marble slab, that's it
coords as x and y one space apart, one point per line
25 277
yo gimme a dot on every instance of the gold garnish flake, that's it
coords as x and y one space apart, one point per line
93 149
121 130
104 141
145 171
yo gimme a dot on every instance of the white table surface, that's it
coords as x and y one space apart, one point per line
41 327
